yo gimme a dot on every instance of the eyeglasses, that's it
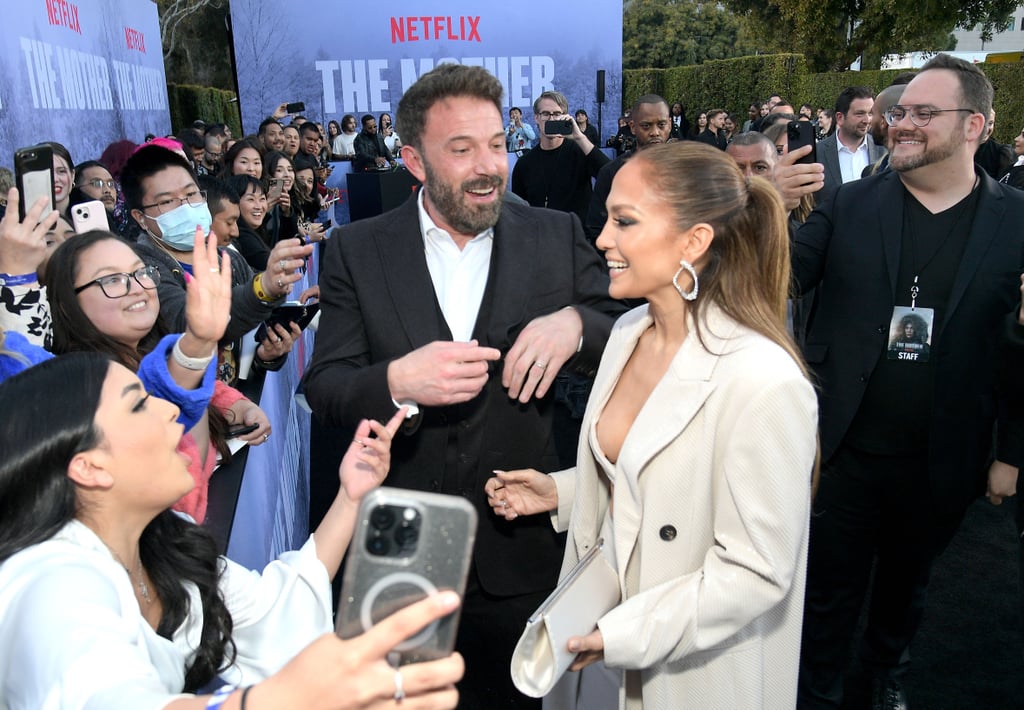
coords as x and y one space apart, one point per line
920 116
548 115
100 184
119 285
194 198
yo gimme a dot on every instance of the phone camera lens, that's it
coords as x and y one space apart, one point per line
406 534
378 546
382 518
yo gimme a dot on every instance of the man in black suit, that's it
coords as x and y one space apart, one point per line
905 436
464 309
371 152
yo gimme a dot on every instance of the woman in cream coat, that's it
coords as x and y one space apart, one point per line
698 446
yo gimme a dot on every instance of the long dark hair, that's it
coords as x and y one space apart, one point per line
73 331
37 498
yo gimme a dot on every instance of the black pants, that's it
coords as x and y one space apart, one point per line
868 509
488 631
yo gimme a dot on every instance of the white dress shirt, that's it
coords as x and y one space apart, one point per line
853 162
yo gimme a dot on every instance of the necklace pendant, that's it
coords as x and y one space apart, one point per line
144 589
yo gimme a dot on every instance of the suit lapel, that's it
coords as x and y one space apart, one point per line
513 254
890 224
988 215
399 243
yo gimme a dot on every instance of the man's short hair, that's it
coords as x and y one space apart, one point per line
975 88
442 82
773 118
848 95
903 78
189 139
557 97
266 122
366 119
146 162
753 138
218 193
218 130
211 141
645 99
85 165
713 113
309 127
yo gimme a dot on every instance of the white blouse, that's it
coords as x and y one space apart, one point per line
72 634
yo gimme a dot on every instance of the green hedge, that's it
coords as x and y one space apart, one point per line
733 83
187 103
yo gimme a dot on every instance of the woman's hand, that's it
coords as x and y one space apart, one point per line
355 674
588 649
366 463
23 243
522 492
1002 482
207 294
314 231
279 342
245 411
283 264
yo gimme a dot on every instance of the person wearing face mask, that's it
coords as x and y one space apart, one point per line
165 201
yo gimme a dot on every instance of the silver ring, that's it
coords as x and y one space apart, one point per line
280 283
278 340
399 692
214 270
541 365
504 503
281 265
266 436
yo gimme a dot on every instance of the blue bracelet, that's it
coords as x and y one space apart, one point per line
18 280
218 698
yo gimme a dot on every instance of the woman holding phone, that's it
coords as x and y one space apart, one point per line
113 601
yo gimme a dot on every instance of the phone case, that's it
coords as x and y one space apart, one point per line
88 216
291 312
33 168
799 134
407 544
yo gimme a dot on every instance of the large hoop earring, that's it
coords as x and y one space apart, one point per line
686 266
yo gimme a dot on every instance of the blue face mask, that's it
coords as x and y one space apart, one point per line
178 227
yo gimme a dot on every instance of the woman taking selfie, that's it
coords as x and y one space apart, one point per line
698 445
112 601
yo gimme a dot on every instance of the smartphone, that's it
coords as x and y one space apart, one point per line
33 168
275 189
88 216
241 430
291 312
558 128
407 545
799 134
297 107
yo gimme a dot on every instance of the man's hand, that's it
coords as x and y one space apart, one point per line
280 112
793 181
441 373
1002 482
539 352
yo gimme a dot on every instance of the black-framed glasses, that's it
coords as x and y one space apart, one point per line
920 116
119 285
193 197
548 115
100 184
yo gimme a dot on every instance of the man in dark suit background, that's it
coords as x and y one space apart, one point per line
371 153
905 442
464 309
847 152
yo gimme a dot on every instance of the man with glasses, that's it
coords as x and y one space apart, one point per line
905 441
96 182
212 154
161 191
557 173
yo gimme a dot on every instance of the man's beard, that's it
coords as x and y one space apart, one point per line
466 218
929 156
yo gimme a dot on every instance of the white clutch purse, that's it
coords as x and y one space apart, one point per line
588 592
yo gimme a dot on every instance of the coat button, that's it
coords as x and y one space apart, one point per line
667 533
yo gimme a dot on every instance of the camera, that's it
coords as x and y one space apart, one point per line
394 531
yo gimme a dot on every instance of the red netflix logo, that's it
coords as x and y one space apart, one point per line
438 27
63 14
134 39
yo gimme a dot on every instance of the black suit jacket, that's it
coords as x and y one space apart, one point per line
378 304
852 254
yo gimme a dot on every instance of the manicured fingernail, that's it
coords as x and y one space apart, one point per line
448 600
188 278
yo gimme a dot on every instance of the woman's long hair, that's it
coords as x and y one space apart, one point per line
37 498
74 332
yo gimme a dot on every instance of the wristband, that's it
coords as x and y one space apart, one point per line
197 364
18 279
260 291
218 698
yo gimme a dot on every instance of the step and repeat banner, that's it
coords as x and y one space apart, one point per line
81 73
340 57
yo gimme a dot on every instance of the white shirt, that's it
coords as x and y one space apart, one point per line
72 634
390 141
344 144
459 275
853 162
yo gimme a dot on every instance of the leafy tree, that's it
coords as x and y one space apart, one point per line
196 42
834 33
669 33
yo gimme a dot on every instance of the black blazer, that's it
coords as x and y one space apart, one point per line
850 248
377 304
